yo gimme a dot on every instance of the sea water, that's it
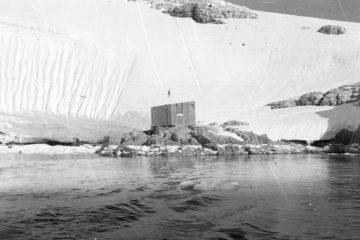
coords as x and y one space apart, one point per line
248 197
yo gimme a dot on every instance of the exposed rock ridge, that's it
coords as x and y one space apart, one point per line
203 11
332 29
218 140
345 141
333 97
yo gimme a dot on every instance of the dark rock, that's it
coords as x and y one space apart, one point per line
193 141
344 137
321 143
234 123
204 136
335 148
283 104
334 97
182 135
134 138
198 12
250 137
159 141
233 150
254 150
340 96
312 98
203 12
353 148
332 29
177 134
211 146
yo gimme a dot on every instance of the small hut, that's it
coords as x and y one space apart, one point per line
182 114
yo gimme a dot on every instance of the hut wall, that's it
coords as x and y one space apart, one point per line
191 114
173 114
161 116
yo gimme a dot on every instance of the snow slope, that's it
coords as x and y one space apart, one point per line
105 63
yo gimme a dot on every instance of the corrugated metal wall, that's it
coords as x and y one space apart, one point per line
173 114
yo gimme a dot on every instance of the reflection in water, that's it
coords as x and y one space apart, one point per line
252 197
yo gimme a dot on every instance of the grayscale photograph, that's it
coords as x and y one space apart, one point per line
179 119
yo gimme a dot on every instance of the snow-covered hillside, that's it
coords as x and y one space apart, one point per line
65 64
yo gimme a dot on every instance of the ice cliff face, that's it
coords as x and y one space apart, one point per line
82 67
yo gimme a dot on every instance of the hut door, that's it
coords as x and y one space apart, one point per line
179 114
179 119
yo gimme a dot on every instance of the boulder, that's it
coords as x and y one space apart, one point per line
205 137
344 136
134 138
332 29
199 12
233 150
159 141
182 135
208 12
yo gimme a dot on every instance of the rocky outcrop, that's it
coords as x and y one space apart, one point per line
207 140
333 97
234 123
341 95
312 98
344 137
205 136
204 11
345 141
250 137
134 138
332 29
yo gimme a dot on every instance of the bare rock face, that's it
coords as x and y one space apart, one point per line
344 137
134 138
283 104
313 98
206 137
338 96
332 29
334 97
205 11
251 138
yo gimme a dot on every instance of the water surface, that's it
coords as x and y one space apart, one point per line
257 197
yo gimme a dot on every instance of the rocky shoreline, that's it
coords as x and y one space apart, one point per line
221 140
